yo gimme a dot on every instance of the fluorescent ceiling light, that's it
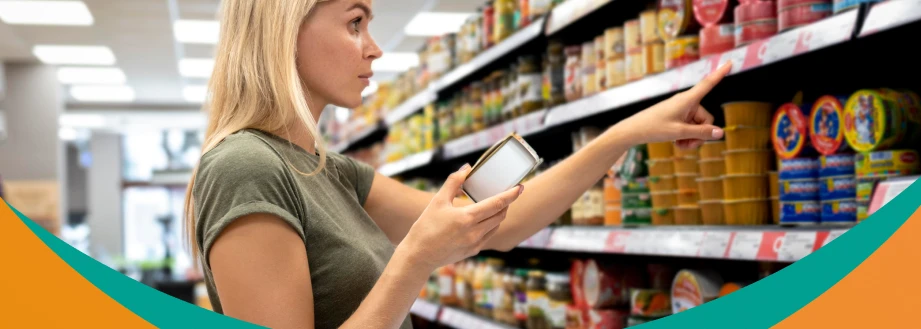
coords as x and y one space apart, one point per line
102 93
196 67
74 55
426 24
67 134
72 120
45 13
395 62
196 31
195 94
91 75
370 89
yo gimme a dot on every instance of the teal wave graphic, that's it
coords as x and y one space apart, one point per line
774 298
161 310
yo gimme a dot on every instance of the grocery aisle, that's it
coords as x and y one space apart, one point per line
822 129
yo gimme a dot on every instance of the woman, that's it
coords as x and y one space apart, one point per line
292 236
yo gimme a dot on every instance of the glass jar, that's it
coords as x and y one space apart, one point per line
505 19
538 301
573 73
588 68
510 108
489 22
447 290
505 307
529 85
519 280
524 13
560 297
555 70
476 105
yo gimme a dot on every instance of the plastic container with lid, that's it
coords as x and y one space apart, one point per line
717 39
686 165
712 12
614 43
662 183
838 187
747 137
663 216
688 197
710 188
688 215
826 131
676 18
795 16
870 121
754 11
711 212
685 152
712 168
666 199
745 186
747 212
608 286
800 213
660 151
757 30
681 51
774 184
790 132
757 114
798 168
748 161
650 303
692 288
775 209
712 150
648 27
665 167
799 190
687 181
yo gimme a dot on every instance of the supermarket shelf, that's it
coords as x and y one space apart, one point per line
459 319
490 55
408 163
410 106
425 309
358 138
761 243
891 14
570 12
525 125
827 32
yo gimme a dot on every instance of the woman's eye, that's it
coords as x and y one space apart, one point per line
355 24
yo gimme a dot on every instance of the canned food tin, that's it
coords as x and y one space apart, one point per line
717 39
790 132
712 12
615 71
653 58
749 32
800 15
632 35
870 121
799 190
800 213
825 130
863 210
682 50
887 163
648 27
634 65
841 187
675 18
842 5
836 165
754 11
798 168
842 211
614 43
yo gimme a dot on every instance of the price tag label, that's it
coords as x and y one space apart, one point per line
745 245
833 234
796 245
692 73
636 242
715 244
589 239
781 46
737 56
687 243
617 241
755 53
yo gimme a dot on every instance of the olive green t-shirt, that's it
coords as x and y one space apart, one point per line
247 173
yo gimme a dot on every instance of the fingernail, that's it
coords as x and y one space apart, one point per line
717 133
520 189
465 167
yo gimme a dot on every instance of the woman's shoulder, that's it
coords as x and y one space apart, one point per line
244 153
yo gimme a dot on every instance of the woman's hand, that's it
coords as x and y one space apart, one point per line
446 234
679 118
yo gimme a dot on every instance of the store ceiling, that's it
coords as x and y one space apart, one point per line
140 34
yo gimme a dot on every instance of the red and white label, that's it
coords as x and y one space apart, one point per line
745 245
796 245
770 245
715 244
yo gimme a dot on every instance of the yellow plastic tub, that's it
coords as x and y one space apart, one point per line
664 167
745 186
687 182
775 210
686 165
663 216
712 149
747 212
666 199
748 161
662 183
712 167
710 188
679 152
659 151
711 212
688 197
774 184
747 137
756 114
688 215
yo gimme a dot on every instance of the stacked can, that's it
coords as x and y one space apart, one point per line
747 162
798 169
662 183
795 13
615 57
717 28
754 20
837 184
636 203
712 167
676 25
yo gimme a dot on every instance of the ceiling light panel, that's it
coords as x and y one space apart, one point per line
435 23
91 75
196 67
195 93
395 62
102 93
45 13
74 55
196 31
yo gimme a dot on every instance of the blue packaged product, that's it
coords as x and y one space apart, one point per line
836 165
841 187
808 212
843 211
799 168
799 190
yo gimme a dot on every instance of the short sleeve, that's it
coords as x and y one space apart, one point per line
239 177
357 173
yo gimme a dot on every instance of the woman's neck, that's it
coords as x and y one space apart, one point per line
297 132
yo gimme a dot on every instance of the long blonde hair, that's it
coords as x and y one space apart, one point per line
255 82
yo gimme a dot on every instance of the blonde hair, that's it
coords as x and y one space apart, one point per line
255 82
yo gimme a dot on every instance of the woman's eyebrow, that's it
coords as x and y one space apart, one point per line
363 8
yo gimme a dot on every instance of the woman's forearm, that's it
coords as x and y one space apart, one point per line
388 303
550 194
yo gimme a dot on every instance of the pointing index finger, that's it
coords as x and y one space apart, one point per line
704 86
